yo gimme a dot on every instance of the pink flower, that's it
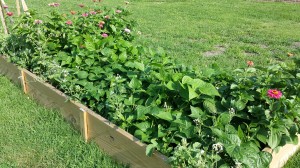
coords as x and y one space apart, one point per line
38 22
81 5
100 25
69 22
118 11
5 6
93 12
104 35
274 93
127 30
250 63
10 13
85 14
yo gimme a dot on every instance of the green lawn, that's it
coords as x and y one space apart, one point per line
32 136
202 32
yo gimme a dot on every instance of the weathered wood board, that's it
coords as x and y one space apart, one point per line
50 97
11 71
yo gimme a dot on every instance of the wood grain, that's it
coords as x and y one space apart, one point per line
120 144
11 71
47 95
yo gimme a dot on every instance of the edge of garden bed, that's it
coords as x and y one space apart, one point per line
115 141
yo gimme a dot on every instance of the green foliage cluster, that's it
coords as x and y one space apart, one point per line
208 118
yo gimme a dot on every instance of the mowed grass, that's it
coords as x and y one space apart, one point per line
32 136
202 32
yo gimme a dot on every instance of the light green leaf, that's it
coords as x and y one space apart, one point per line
196 112
192 93
210 106
82 74
165 116
274 139
135 83
89 61
143 126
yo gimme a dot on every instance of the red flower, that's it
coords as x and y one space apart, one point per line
81 5
274 93
250 63
69 22
10 13
85 14
73 12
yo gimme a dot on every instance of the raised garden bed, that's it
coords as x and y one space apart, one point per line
115 141
110 138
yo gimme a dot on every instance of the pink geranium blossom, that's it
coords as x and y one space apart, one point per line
274 93
85 14
69 22
104 35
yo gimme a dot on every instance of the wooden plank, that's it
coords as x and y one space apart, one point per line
120 144
47 95
18 7
11 71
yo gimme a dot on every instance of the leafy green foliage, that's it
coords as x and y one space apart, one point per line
197 118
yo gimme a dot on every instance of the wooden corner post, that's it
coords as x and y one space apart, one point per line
3 18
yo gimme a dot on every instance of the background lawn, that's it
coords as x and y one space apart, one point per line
32 136
203 32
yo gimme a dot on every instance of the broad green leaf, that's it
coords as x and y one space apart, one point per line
187 80
210 106
274 139
139 66
78 60
192 93
224 118
208 89
165 116
149 149
196 112
143 126
240 133
89 45
240 104
142 111
82 74
123 57
141 135
263 160
89 61
107 52
113 28
135 83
